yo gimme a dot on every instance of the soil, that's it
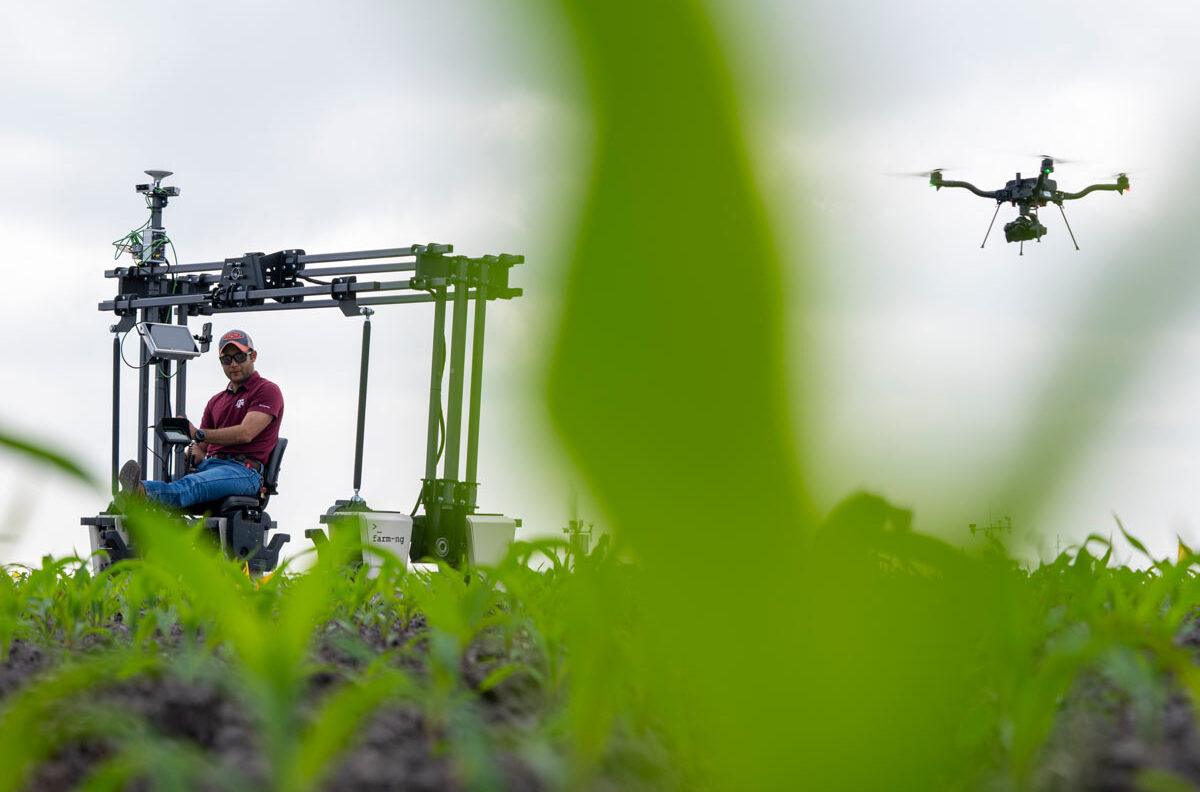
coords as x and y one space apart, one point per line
396 749
1106 738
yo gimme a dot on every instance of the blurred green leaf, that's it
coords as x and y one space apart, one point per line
337 721
1158 780
668 383
38 453
498 675
1134 542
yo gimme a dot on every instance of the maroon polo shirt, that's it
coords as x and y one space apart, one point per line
230 406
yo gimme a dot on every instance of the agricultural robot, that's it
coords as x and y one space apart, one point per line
157 298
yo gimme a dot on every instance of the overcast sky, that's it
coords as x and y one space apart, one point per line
327 127
372 124
934 352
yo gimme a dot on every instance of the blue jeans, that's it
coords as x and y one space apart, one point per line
212 479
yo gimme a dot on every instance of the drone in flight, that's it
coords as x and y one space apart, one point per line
1028 194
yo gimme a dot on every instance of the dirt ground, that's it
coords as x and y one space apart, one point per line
1106 737
396 750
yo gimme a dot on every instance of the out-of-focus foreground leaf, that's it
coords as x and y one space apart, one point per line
666 380
767 653
38 453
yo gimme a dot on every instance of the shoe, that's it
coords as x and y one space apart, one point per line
130 478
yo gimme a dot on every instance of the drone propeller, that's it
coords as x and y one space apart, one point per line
925 174
1057 160
1122 180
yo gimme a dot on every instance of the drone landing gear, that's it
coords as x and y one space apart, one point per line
1069 231
989 231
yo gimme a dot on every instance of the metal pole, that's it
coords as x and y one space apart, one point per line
1069 231
458 351
181 396
162 395
989 231
477 335
116 412
362 400
143 396
154 253
435 384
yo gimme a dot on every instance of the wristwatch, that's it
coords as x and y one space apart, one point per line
199 436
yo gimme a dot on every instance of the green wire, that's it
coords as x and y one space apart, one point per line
170 376
134 237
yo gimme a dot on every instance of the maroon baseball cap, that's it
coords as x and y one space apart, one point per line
238 338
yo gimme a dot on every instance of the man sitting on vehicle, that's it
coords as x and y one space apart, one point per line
237 433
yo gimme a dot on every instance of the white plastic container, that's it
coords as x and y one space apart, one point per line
491 534
390 532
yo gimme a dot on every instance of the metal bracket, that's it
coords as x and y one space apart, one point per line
125 324
246 533
340 290
237 276
205 337
451 493
229 295
433 269
280 270
123 305
114 544
496 274
465 492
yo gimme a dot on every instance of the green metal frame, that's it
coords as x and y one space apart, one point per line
441 531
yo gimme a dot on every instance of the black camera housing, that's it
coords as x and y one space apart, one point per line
1025 228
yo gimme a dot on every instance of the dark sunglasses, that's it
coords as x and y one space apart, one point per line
239 357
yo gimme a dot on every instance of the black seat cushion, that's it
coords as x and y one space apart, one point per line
224 505
270 476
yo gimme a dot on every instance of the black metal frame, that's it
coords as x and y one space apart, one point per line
153 288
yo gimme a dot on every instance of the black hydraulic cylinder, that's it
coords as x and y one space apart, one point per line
458 350
477 335
362 399
116 412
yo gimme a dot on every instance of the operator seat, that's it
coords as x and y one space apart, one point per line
270 486
239 523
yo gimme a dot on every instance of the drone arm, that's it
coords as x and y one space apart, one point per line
1121 186
940 183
